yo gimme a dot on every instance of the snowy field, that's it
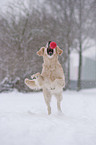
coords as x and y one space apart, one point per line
24 119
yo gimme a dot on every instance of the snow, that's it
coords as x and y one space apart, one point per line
24 119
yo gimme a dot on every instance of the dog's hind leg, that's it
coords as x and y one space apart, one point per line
59 99
47 97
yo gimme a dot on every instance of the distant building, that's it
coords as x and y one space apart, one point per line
88 69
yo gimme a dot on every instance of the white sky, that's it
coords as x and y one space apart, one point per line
3 2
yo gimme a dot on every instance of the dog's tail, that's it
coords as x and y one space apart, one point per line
32 84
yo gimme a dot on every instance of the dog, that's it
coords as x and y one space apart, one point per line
52 79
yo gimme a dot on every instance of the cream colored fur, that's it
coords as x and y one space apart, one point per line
51 80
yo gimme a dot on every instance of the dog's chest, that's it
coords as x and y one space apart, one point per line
51 72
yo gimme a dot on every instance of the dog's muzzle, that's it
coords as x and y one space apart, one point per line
50 51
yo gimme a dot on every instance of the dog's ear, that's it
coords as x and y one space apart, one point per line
59 51
41 51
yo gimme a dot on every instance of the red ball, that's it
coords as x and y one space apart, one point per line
53 45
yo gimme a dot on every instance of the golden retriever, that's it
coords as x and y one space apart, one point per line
51 80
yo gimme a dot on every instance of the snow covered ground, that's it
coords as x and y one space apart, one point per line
24 119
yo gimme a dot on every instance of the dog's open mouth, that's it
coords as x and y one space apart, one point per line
50 51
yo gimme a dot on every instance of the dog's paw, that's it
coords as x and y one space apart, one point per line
31 83
26 81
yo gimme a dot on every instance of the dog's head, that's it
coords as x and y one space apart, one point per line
48 52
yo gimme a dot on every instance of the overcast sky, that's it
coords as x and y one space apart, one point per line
3 2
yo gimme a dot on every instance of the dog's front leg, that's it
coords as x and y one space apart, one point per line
47 97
